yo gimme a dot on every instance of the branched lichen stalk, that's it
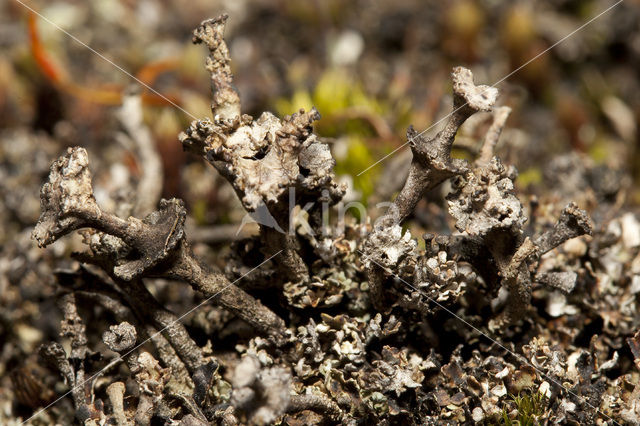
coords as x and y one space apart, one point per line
265 160
228 295
72 367
154 247
90 287
188 351
431 165
572 223
122 313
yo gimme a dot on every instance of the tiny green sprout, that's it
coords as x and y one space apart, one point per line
530 407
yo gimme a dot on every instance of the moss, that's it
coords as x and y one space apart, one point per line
600 150
530 408
199 211
348 111
358 158
532 176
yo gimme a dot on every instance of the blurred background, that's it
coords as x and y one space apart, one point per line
371 68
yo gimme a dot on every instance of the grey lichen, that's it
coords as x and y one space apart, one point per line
158 247
261 394
67 198
226 102
484 200
440 277
120 337
486 210
351 298
265 159
73 367
431 165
